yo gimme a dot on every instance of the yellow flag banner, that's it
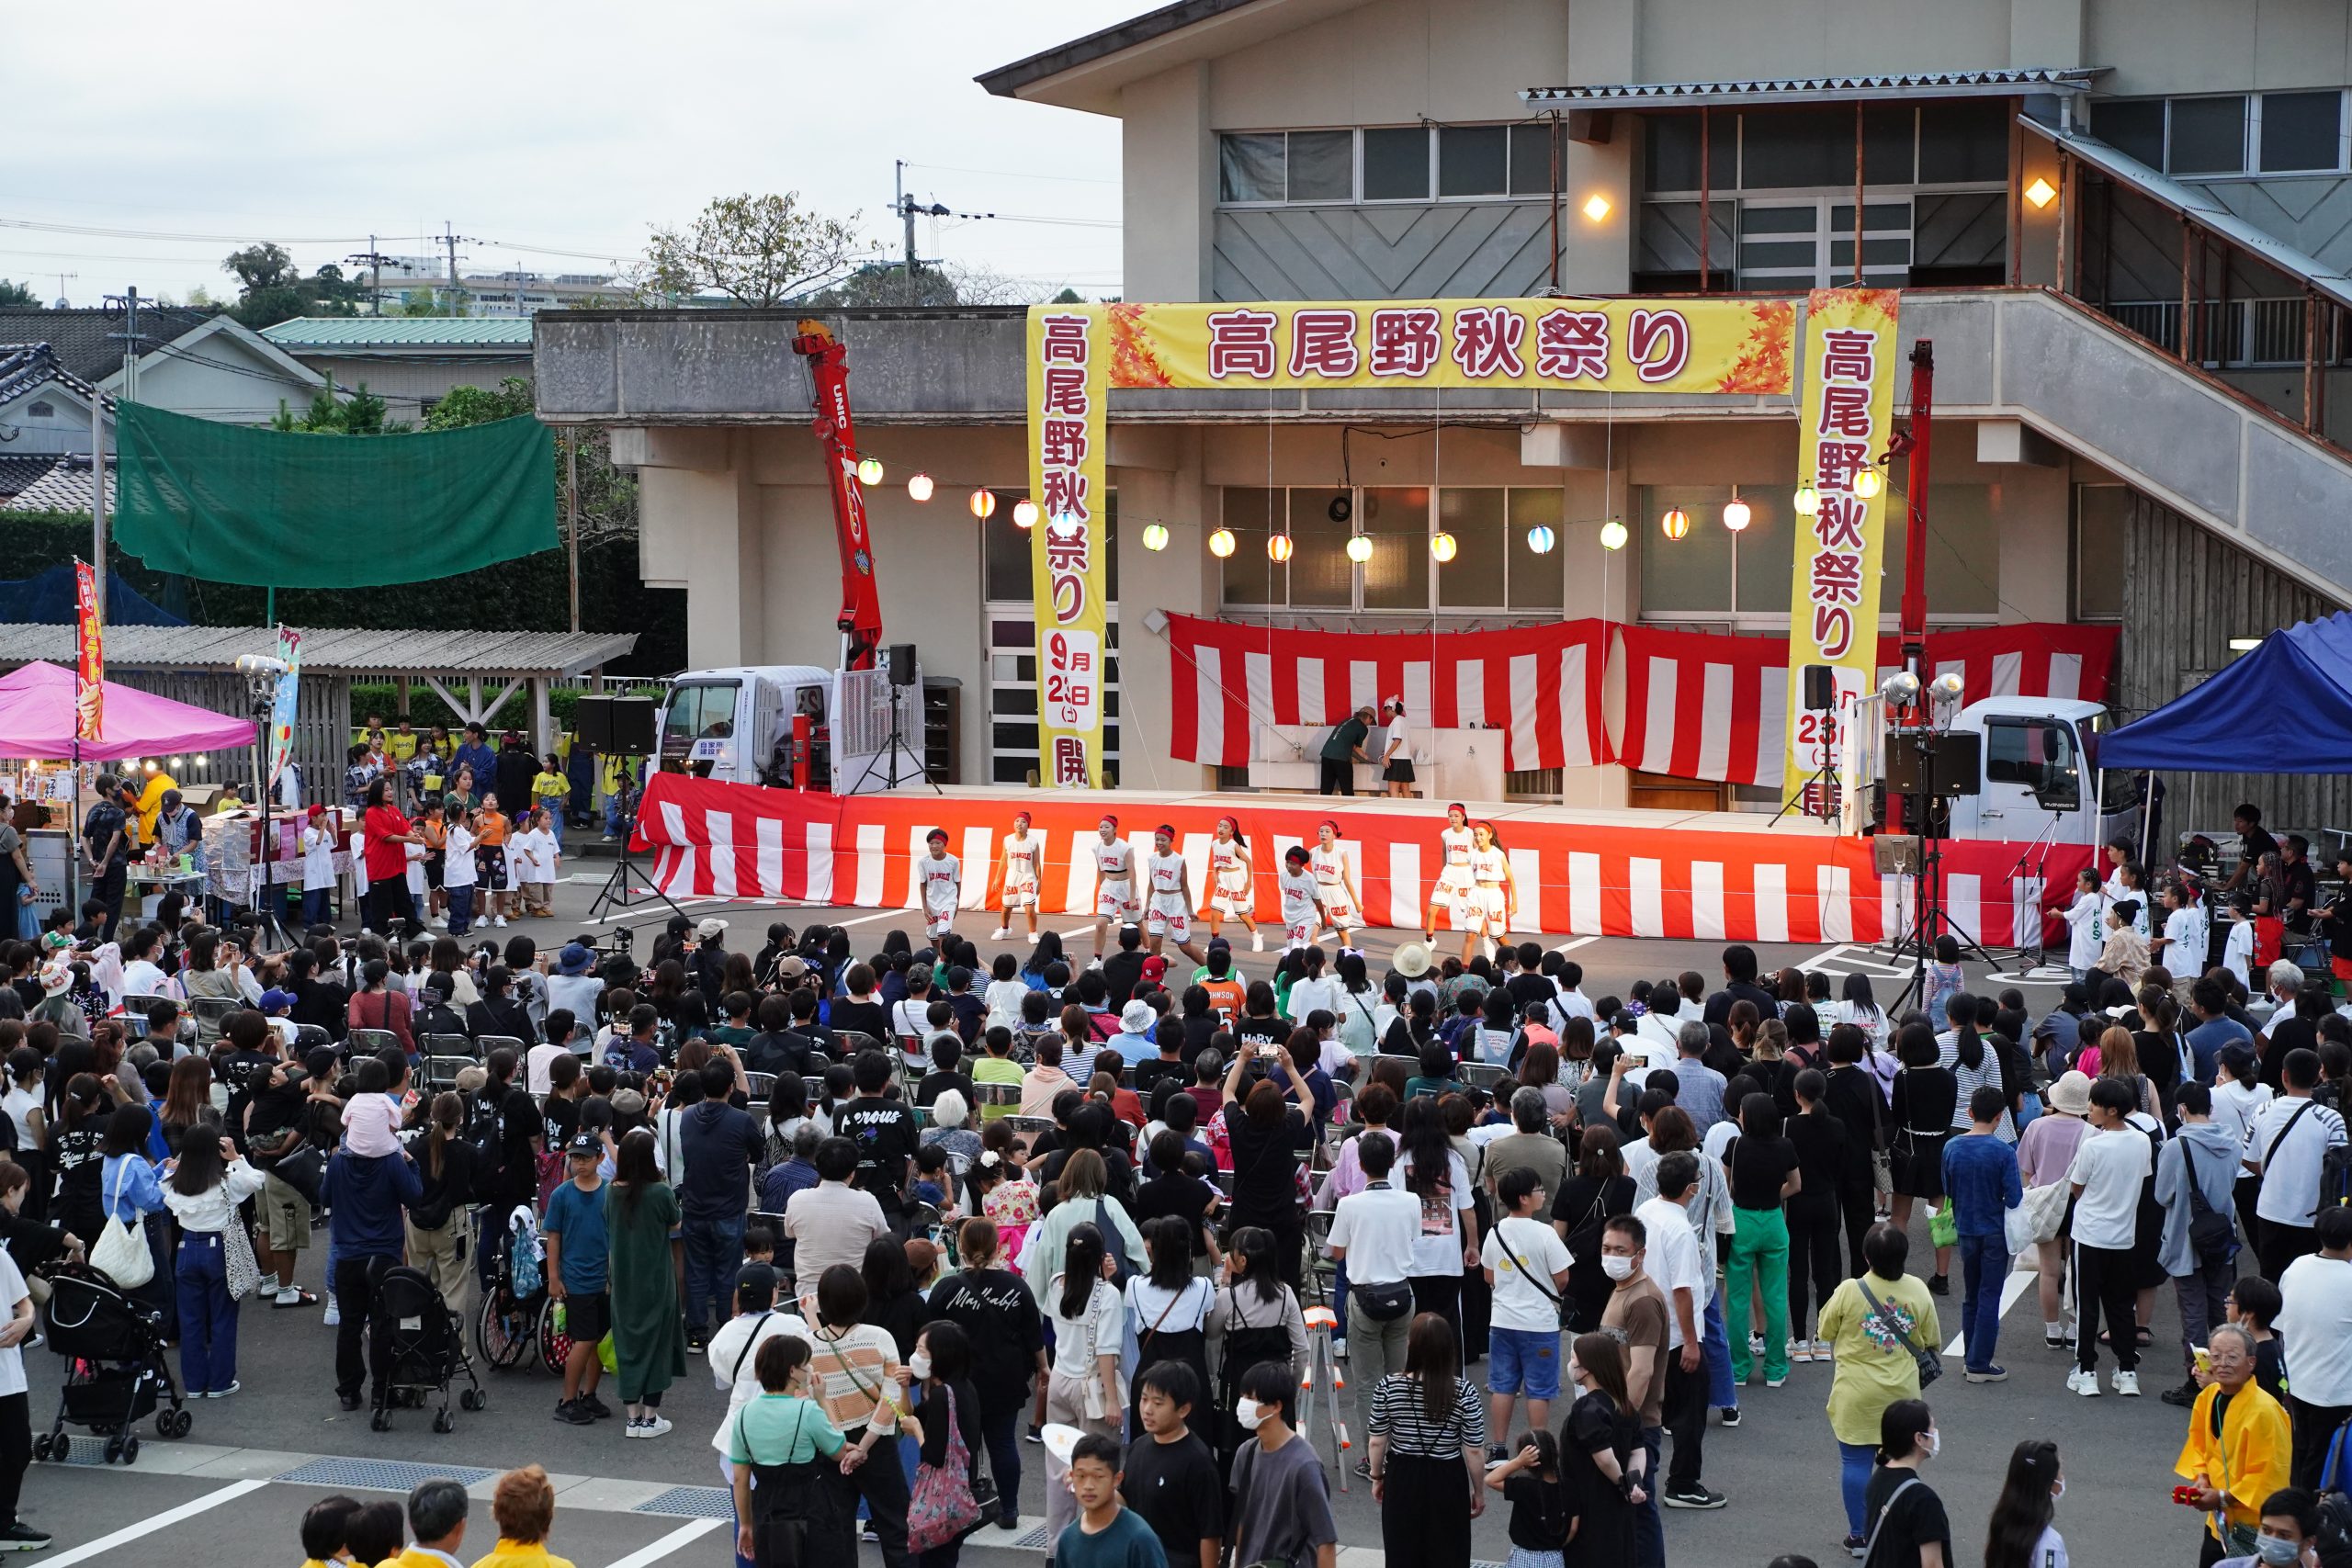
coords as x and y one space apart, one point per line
1077 352
1846 416
1068 365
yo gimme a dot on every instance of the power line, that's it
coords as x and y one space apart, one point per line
1018 174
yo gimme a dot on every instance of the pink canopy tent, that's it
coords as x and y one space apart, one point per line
37 720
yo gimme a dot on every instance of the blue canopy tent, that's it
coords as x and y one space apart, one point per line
2285 707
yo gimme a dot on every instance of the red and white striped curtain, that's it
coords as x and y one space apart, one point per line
1541 685
1703 705
1698 705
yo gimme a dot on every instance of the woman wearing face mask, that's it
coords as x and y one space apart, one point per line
2021 1534
1907 1524
946 1410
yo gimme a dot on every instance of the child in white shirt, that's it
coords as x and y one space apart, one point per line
318 867
535 861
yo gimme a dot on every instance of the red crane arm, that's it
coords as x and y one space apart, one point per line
861 615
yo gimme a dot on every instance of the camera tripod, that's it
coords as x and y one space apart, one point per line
1931 918
621 892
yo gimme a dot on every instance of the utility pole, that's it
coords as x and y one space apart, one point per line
61 286
571 510
907 213
451 239
129 302
374 262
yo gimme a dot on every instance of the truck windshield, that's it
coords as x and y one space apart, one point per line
703 712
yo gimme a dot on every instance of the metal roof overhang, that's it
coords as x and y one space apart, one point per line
2004 84
338 650
2197 207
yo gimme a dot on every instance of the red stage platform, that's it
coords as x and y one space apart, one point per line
1706 875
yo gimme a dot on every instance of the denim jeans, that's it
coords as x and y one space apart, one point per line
714 1251
1984 1269
207 1317
999 1430
314 905
1722 1394
1854 1460
462 907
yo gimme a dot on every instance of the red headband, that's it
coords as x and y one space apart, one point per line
1330 823
1296 854
936 836
1110 822
1456 805
1164 830
1230 822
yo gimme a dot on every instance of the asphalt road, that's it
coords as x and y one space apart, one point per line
222 1496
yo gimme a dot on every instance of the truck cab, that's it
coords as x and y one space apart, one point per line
2038 782
735 724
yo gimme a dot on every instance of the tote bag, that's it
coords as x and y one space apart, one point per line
121 1253
942 1507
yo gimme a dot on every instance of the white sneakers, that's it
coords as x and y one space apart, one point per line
646 1427
498 919
1257 942
2128 1384
2087 1384
999 933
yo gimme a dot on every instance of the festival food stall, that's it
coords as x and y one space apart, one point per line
40 731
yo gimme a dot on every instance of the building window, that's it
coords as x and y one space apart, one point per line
39 411
1713 574
1252 168
1493 568
2302 132
1396 163
1472 160
1322 165
1005 567
2207 136
2134 130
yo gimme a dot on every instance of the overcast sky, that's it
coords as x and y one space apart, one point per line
566 127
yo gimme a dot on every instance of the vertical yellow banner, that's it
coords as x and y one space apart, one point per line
1068 363
1846 417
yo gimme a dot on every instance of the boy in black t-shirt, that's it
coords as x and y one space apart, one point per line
1171 1480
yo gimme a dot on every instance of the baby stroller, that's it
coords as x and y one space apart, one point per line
116 1368
509 1324
419 1350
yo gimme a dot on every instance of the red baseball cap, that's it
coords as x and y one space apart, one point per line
1153 967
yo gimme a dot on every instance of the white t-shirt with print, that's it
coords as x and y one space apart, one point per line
1519 1303
1437 1250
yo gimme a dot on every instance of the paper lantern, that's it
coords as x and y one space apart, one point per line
1868 483
1221 543
1676 523
918 488
1155 536
1024 514
1540 539
1613 535
1360 549
1278 548
984 503
1736 515
1807 501
869 470
1442 547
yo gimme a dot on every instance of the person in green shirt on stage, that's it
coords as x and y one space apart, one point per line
1344 749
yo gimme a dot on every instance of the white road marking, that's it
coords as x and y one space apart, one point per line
668 1543
2013 1289
1574 943
187 1510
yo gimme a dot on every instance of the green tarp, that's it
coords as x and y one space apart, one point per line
231 504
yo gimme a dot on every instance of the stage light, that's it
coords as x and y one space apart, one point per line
1221 543
1155 535
918 488
1442 547
869 470
1360 549
1807 501
1613 535
2042 193
1540 539
2245 644
1062 525
174 764
1737 513
1024 514
1676 523
1278 548
1948 686
1868 483
1899 688
984 503
1596 207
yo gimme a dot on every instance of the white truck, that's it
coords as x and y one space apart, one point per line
736 725
2035 783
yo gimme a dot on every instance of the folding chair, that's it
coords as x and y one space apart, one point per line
484 1045
448 1045
759 1085
368 1042
210 1011
1479 1075
308 1037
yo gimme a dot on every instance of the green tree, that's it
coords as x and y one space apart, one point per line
1068 297
462 406
362 413
271 288
17 295
761 251
886 283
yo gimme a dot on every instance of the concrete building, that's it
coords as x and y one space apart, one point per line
512 291
411 362
2126 228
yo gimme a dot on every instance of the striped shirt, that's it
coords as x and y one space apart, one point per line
1397 1415
1968 1080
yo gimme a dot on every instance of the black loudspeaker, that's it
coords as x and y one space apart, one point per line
632 726
1958 765
901 658
591 722
1820 688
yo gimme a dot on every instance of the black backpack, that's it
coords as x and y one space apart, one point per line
485 1132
